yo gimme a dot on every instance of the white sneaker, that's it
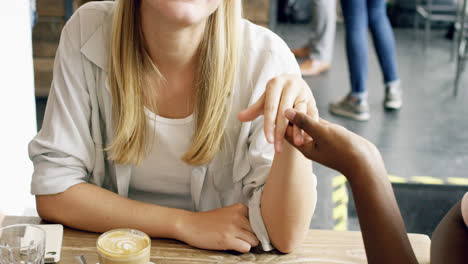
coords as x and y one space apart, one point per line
351 107
393 98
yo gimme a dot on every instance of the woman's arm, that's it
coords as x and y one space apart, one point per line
382 226
450 239
289 194
288 199
88 207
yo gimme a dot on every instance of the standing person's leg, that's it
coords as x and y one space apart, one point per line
384 42
355 105
320 46
324 28
356 24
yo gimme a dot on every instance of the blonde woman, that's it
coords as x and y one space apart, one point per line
143 127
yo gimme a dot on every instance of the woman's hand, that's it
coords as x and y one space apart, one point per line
226 228
334 146
281 93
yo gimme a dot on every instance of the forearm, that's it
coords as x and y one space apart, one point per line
382 226
288 199
450 239
88 207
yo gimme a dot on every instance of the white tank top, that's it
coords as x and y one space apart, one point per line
163 178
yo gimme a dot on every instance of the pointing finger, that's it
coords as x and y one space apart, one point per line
253 111
272 101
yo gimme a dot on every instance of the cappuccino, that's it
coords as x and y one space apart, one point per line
124 246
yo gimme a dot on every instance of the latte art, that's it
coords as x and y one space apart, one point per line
124 246
122 243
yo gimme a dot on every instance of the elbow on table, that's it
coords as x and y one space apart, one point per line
289 242
46 208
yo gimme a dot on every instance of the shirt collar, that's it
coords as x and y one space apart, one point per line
97 47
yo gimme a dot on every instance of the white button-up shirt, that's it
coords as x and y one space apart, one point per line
77 126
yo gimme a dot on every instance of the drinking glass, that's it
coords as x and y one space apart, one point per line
22 244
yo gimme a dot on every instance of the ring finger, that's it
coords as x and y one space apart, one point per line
287 101
298 133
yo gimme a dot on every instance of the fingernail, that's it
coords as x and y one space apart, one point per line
278 146
290 114
299 140
270 137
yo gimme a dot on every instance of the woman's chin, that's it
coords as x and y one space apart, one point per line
187 19
181 12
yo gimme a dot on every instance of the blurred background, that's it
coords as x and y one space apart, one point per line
424 144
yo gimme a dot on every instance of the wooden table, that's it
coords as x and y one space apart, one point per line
321 246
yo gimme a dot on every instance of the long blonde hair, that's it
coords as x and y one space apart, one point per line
130 66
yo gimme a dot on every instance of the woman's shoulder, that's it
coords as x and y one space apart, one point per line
263 50
260 39
88 19
264 55
99 6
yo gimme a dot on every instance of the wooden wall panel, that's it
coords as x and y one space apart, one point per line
256 11
53 8
43 68
46 36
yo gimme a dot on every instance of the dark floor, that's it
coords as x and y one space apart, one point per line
427 137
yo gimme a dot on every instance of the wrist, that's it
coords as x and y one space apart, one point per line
180 223
289 152
365 162
367 172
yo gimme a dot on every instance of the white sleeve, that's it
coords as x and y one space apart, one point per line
260 157
63 150
260 152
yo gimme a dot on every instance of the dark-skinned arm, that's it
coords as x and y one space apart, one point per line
383 229
450 239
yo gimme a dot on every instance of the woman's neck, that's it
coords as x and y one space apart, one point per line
172 47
